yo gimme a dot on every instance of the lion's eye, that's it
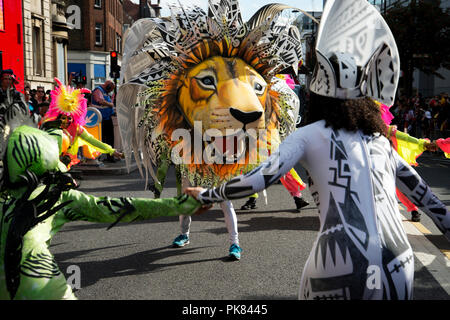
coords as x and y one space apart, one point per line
207 82
259 89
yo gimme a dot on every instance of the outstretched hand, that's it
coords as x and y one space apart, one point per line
119 155
194 192
431 146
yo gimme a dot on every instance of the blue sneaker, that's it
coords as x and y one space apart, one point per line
235 252
180 241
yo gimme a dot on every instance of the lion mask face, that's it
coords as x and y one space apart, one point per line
224 93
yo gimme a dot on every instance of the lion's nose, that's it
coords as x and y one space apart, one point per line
245 117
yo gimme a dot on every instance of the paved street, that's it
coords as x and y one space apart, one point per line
136 261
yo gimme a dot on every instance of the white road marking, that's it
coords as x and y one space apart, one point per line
429 255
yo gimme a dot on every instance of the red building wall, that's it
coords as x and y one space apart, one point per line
11 38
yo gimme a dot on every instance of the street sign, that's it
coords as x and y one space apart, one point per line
93 117
94 127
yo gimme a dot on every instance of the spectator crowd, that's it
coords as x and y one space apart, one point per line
423 117
37 101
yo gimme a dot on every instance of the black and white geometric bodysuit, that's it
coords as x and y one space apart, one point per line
361 250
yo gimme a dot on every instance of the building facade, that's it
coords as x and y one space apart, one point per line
37 30
131 13
149 8
134 11
98 32
45 42
11 39
60 40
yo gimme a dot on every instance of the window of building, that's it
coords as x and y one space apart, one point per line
36 6
111 40
60 61
38 47
98 4
2 20
99 73
98 34
118 43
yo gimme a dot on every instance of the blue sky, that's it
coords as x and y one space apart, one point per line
249 7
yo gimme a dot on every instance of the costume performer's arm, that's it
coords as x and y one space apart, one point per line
96 144
277 165
415 188
410 139
38 276
105 209
408 147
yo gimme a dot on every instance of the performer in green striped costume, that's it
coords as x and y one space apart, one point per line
37 199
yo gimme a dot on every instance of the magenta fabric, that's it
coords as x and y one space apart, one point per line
386 115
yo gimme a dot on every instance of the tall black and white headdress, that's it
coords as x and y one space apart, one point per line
356 53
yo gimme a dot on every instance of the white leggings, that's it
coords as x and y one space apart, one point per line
230 221
228 213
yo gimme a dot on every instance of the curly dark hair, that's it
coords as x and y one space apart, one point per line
355 114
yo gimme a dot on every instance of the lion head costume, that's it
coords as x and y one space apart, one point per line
210 69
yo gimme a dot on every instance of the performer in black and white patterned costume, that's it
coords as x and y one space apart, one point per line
362 250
